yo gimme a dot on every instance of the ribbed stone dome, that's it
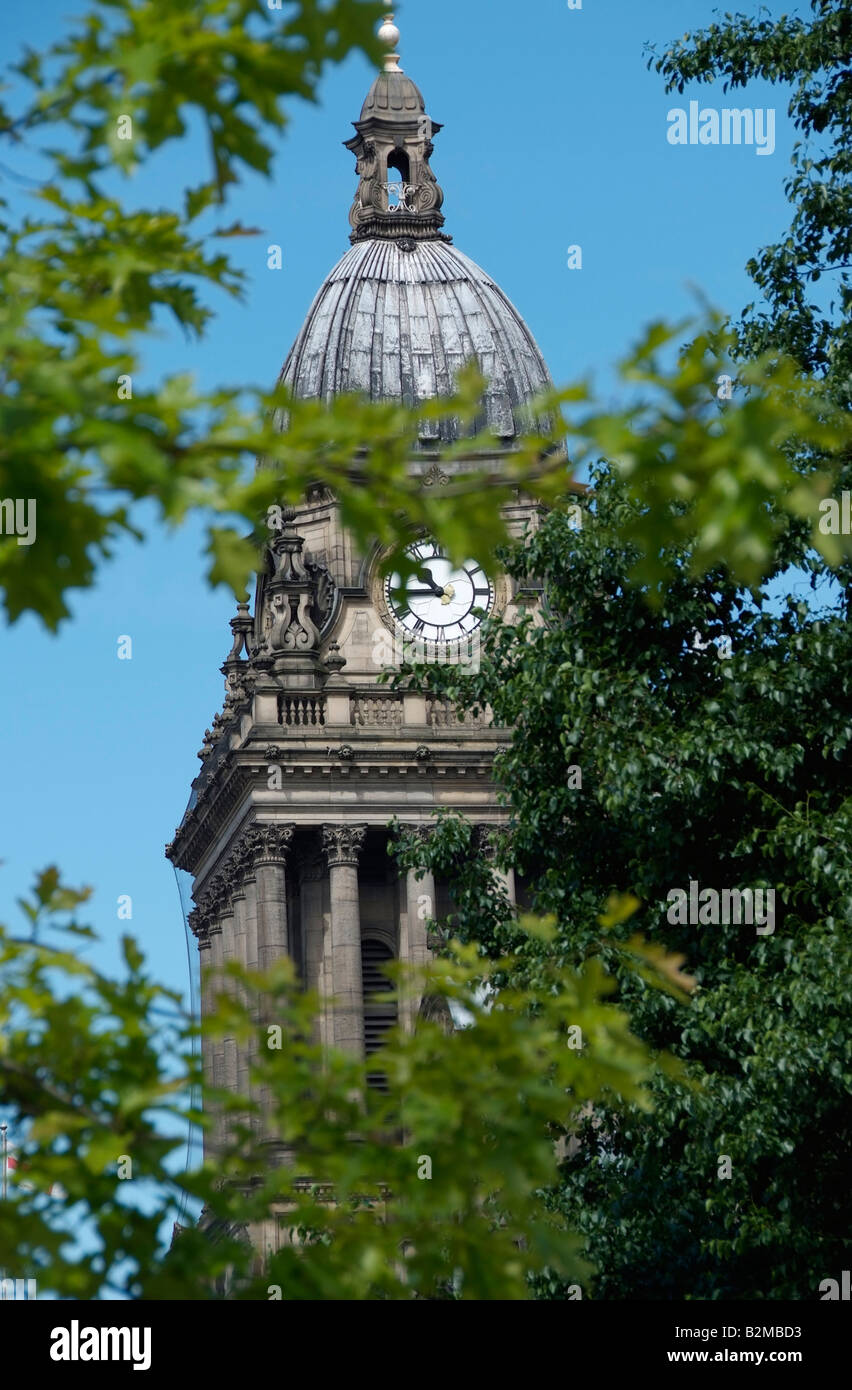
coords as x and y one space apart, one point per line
394 94
396 322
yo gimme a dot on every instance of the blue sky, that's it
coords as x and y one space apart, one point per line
555 134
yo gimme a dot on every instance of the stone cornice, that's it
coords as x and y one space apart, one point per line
218 798
331 758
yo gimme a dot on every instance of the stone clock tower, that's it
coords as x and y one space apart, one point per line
286 830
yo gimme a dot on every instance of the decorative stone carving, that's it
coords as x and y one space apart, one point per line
342 844
335 660
301 711
267 844
298 598
392 156
260 844
385 711
240 680
435 475
241 627
442 714
200 928
487 841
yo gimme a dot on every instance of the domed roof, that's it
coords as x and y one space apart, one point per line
396 320
394 94
403 311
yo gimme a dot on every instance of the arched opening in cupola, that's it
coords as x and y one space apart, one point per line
400 165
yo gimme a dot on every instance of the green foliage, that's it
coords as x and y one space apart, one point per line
97 1071
84 277
731 772
728 771
231 63
728 477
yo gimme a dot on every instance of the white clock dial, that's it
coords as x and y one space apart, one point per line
441 602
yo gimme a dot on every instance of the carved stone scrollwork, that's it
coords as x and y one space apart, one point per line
200 928
267 844
342 844
261 844
299 597
435 475
485 842
302 634
216 898
396 183
324 590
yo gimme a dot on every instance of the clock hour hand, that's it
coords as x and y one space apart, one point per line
427 578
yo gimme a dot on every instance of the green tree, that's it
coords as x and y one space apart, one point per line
711 730
97 1067
711 733
84 273
431 1190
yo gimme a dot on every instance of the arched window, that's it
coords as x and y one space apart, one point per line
379 1016
398 163
398 186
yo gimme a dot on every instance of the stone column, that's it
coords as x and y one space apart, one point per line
214 908
268 846
342 845
421 905
248 893
420 893
200 928
487 847
313 874
229 987
264 851
216 1049
241 956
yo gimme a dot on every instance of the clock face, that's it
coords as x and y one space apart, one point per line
441 602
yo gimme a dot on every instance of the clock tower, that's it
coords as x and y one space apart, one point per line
286 832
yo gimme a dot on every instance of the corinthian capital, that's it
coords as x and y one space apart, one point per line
343 843
266 844
486 842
